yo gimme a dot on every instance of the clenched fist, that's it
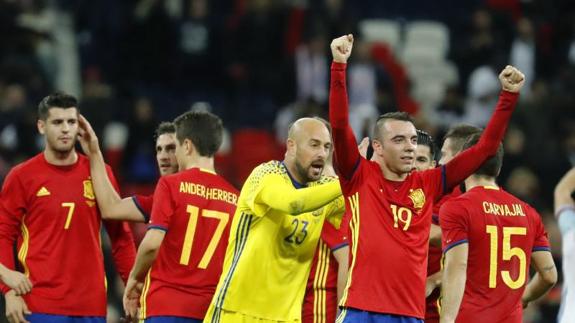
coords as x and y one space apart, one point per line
341 48
511 79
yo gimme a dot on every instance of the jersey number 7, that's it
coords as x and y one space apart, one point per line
194 213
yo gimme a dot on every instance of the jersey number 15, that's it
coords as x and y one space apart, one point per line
508 253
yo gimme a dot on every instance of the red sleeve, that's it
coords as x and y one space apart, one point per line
12 209
469 160
144 204
123 247
333 237
454 225
541 241
163 207
346 155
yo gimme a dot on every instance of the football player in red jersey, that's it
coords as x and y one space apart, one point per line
182 254
490 238
391 205
453 142
48 206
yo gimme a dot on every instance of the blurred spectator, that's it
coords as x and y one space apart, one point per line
523 52
139 162
483 90
312 66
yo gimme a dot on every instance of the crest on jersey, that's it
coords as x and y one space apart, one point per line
88 190
418 198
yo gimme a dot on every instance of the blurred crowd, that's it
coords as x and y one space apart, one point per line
260 64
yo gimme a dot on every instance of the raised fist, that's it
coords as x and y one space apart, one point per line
341 48
511 79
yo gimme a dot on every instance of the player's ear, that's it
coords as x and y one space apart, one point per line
41 124
290 146
189 146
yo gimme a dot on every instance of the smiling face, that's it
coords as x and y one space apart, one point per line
166 154
60 129
395 145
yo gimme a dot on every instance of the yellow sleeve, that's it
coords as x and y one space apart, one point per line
267 188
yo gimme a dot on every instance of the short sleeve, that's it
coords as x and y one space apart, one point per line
541 241
453 219
163 207
144 204
334 238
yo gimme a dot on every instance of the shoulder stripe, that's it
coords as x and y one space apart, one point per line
354 227
454 244
241 238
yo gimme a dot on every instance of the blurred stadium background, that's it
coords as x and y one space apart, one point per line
260 64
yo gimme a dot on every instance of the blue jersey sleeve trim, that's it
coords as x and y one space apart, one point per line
540 249
158 227
454 244
339 246
141 209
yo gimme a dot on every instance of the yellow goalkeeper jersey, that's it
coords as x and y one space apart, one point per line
272 242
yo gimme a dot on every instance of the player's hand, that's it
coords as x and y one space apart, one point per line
511 79
362 147
16 309
19 283
87 137
341 48
131 299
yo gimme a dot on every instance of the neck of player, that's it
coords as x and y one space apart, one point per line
475 180
206 163
59 158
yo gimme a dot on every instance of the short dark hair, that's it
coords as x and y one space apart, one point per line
425 139
56 100
203 128
459 135
492 166
164 128
401 116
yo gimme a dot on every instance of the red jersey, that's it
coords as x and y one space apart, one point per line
391 220
195 208
52 213
320 301
434 261
144 204
501 231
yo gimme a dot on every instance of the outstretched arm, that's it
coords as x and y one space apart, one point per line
278 195
468 161
345 146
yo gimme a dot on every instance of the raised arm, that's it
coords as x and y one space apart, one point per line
111 205
564 191
467 162
345 146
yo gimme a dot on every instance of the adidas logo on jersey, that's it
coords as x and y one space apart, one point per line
43 192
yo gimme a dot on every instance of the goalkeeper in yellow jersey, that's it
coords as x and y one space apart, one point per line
275 231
